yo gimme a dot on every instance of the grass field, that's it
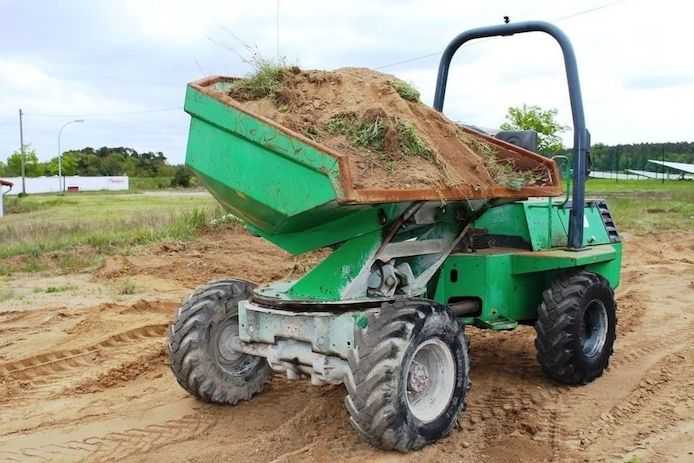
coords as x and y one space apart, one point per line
91 224
647 206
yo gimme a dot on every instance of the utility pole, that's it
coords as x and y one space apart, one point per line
21 142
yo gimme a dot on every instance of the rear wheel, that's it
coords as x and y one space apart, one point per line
576 327
201 356
410 373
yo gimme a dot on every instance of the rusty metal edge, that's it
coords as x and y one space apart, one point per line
347 194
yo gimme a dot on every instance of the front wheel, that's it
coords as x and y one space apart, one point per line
576 327
410 374
199 349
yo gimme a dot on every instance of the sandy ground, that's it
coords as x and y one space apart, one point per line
84 374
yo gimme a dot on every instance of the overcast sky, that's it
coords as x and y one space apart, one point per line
123 65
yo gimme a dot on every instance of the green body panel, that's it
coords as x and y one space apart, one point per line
328 279
285 186
530 220
509 282
350 222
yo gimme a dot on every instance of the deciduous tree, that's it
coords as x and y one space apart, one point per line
540 120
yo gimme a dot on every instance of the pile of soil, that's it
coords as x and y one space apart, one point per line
315 103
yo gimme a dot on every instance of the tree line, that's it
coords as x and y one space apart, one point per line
613 158
90 161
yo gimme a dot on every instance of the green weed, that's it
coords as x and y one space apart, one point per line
406 90
367 132
78 259
370 131
59 289
482 147
410 142
33 264
265 79
128 287
503 173
311 132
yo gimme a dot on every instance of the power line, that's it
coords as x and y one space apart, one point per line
590 10
128 113
469 44
11 118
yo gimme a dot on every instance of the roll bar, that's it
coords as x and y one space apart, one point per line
581 136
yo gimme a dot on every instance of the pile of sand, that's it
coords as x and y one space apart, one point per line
326 105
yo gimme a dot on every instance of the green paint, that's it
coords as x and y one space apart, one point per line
510 283
270 180
342 224
328 280
361 320
529 220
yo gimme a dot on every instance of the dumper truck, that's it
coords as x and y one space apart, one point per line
385 312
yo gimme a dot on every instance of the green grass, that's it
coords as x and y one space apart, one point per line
16 205
90 225
364 132
410 142
370 130
58 289
265 79
502 172
128 287
647 206
640 187
406 90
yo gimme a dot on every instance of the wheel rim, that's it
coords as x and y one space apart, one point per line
233 362
593 329
430 377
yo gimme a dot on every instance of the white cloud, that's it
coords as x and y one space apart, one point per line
35 90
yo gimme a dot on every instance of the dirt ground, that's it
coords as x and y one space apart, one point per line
84 374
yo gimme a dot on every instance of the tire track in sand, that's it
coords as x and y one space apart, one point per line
116 446
42 374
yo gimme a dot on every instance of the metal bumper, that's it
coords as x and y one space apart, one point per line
315 344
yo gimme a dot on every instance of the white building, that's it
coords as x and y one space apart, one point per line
73 183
